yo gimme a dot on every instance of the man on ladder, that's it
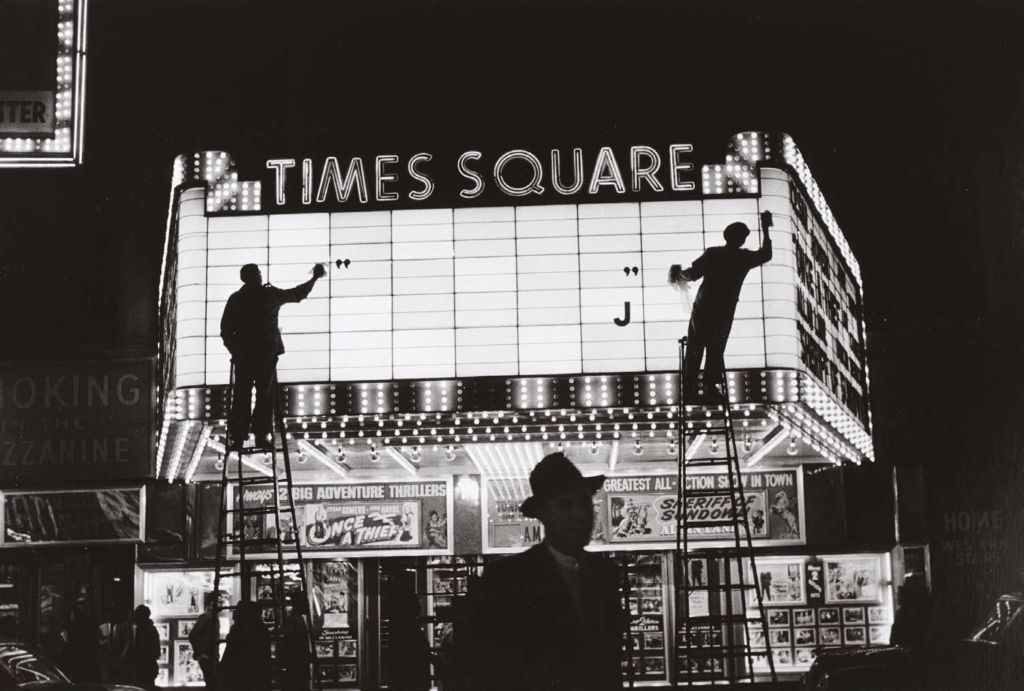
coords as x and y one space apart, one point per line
251 334
723 269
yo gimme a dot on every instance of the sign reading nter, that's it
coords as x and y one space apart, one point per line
26 112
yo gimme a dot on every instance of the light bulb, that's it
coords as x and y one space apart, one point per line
714 446
793 449
302 457
638 448
593 448
748 444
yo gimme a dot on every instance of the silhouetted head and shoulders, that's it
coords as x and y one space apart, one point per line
249 324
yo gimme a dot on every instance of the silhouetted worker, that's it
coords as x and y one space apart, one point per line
723 269
203 638
82 652
405 659
251 334
294 653
246 664
550 617
145 649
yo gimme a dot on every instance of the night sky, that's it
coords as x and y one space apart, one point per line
909 115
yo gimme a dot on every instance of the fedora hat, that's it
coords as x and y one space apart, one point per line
554 475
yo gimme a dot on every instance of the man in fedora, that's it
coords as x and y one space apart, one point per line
550 617
723 269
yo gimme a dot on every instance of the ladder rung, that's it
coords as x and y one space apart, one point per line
709 492
253 511
702 461
253 541
248 450
717 620
694 431
720 588
719 523
253 480
238 574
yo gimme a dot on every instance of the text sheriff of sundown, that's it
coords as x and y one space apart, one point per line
516 173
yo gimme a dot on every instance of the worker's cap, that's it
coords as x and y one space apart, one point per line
736 232
250 273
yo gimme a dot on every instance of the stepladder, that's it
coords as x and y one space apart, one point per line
260 572
722 634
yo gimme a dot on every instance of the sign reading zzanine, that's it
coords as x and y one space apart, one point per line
516 173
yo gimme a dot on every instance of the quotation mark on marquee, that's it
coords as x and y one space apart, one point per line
339 262
624 320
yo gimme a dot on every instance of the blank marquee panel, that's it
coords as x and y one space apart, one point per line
496 291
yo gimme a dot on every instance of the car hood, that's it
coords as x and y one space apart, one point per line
71 686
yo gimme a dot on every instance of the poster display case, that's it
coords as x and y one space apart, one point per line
176 598
335 617
351 520
648 611
815 603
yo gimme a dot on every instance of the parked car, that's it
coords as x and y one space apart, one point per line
991 658
994 652
879 668
22 667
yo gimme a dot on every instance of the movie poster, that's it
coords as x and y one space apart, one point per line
641 510
178 593
335 595
782 583
853 579
186 668
358 518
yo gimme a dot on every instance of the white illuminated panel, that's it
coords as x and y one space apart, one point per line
547 248
491 291
486 298
423 294
609 245
360 310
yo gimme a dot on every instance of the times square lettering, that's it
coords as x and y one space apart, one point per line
564 174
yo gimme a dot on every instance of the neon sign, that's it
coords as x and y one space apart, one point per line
516 173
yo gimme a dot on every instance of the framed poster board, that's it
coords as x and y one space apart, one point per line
853 579
781 583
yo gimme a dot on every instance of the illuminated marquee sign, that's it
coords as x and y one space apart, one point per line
513 264
487 291
42 82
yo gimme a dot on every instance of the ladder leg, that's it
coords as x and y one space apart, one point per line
715 643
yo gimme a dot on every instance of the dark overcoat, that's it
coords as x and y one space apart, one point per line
526 634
